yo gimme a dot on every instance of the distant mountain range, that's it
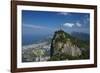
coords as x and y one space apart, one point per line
81 36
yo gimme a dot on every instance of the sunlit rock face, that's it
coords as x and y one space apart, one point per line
61 43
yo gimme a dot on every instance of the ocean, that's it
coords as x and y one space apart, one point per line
33 39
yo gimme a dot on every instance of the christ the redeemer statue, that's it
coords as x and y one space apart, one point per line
61 26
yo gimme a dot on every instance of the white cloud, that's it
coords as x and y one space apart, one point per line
63 13
78 24
68 24
33 26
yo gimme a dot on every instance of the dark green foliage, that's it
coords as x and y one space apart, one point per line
85 55
63 56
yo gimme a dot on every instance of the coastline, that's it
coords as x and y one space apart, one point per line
35 45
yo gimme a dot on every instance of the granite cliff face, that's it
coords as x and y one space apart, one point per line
64 44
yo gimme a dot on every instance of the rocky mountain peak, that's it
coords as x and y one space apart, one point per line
62 44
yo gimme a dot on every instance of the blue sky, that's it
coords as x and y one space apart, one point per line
45 23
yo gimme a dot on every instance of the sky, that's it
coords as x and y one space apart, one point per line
45 23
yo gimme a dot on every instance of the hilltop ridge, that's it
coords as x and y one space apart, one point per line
65 45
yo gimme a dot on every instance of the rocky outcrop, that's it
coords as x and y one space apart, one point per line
61 43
